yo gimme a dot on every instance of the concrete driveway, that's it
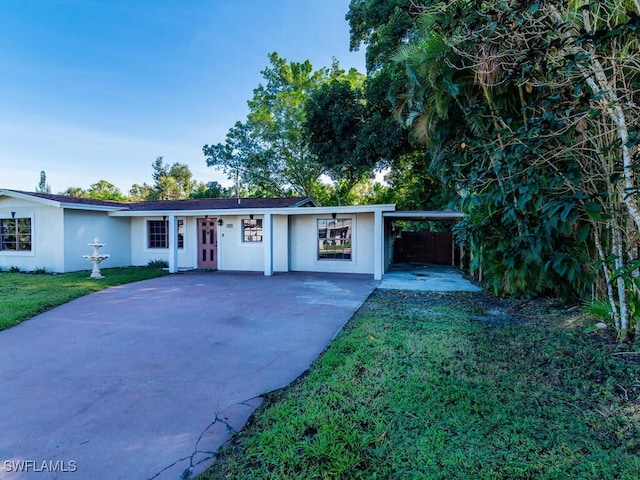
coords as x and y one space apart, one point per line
146 380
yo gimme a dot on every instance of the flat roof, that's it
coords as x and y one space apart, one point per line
425 215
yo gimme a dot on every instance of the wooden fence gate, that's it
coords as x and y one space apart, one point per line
425 247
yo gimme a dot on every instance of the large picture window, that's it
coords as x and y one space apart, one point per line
15 234
158 234
252 230
334 239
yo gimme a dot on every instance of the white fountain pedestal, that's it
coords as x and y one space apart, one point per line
96 258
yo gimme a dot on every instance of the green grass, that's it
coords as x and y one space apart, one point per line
24 295
428 386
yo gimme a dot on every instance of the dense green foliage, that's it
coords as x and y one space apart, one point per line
449 386
527 111
269 152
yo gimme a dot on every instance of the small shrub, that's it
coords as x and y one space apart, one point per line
158 264
14 269
40 271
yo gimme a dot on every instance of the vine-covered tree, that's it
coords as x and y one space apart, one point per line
530 110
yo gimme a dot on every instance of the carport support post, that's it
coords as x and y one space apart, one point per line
378 242
267 239
173 244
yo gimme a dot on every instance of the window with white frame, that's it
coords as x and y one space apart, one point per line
15 234
252 230
158 234
334 239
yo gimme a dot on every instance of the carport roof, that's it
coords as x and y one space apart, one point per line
425 215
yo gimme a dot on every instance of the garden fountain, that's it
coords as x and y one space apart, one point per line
96 258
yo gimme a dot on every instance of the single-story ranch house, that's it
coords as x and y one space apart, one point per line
39 230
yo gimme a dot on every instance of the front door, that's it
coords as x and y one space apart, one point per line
207 244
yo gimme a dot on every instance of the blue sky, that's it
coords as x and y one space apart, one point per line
97 89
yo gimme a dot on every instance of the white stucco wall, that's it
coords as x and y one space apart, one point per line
47 241
233 253
304 245
141 254
80 229
280 243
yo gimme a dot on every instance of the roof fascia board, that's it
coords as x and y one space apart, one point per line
96 208
341 209
247 211
56 203
30 198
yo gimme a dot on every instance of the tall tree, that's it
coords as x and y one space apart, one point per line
139 192
552 167
43 186
74 192
171 182
104 190
334 121
383 26
269 152
210 190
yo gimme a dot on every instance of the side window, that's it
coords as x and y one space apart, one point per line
252 230
334 239
158 234
15 234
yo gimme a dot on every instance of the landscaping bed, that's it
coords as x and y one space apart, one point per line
442 386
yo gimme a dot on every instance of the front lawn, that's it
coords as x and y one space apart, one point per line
24 295
457 386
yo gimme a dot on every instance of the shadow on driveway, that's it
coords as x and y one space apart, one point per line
148 379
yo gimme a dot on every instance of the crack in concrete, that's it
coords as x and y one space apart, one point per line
186 474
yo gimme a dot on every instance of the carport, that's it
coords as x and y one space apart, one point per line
427 247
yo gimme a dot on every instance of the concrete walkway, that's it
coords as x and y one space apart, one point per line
146 380
426 278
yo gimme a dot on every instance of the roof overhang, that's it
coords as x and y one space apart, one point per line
54 203
219 212
425 215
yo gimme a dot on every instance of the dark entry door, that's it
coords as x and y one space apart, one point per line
207 243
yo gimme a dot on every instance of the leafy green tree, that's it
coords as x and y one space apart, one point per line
43 186
269 152
139 193
335 117
74 192
210 190
383 26
104 190
171 182
521 108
